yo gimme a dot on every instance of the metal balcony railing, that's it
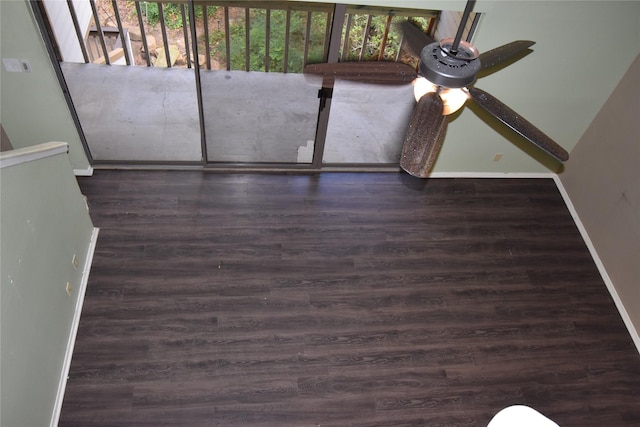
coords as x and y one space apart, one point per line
264 36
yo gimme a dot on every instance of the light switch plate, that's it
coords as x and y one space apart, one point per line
12 65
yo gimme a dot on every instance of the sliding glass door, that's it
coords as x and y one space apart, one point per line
222 84
257 105
136 114
132 105
257 117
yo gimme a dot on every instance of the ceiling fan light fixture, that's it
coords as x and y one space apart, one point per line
452 98
422 86
452 70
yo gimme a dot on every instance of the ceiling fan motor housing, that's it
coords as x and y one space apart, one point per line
442 67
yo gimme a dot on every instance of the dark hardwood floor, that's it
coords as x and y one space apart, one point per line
342 300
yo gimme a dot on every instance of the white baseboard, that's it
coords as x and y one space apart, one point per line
603 272
84 172
57 407
492 175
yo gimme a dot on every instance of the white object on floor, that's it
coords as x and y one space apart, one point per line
520 416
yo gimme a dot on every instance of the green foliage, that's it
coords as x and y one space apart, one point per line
150 11
172 14
374 37
257 41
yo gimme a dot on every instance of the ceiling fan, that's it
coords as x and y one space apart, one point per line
442 86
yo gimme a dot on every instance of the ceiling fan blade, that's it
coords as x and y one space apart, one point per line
503 53
517 123
425 134
413 38
377 72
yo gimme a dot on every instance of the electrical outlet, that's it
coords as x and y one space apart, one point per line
497 157
68 288
75 261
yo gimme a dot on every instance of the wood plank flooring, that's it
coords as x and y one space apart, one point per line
342 300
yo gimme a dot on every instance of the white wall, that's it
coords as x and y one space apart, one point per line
32 106
562 85
44 222
603 181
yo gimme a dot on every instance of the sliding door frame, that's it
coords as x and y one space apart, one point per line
324 107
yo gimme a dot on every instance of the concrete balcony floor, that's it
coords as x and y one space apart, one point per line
142 114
